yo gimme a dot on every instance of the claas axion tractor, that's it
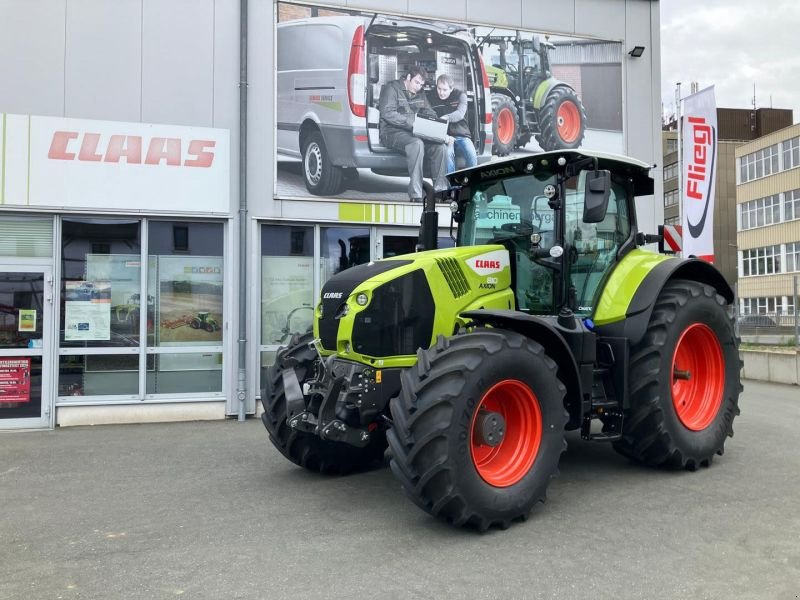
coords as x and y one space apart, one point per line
470 363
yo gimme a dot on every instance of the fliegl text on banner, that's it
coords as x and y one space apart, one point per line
699 174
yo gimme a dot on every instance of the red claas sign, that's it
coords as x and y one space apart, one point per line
174 152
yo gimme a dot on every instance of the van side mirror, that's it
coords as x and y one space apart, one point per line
596 195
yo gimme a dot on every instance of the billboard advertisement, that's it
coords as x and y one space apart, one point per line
368 106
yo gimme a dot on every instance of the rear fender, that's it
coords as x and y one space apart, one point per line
639 301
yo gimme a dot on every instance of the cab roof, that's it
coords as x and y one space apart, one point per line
637 170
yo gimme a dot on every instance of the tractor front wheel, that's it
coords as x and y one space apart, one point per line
684 380
306 449
505 125
478 428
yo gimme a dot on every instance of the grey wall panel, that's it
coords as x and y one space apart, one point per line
32 57
226 83
397 6
261 110
103 78
178 61
496 12
549 15
603 18
452 11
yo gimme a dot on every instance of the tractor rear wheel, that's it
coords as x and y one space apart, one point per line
478 428
306 449
562 120
505 125
684 380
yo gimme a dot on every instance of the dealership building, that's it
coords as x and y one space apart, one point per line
169 210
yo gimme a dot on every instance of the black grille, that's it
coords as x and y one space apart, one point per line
454 276
398 320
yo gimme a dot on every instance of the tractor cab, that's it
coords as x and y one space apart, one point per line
566 219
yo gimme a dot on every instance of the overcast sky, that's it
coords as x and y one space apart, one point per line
732 44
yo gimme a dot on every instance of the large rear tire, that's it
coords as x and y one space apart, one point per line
505 125
562 120
684 380
478 428
321 176
306 449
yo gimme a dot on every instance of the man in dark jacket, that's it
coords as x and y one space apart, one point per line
399 104
450 104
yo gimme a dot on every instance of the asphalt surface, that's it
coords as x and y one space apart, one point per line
211 510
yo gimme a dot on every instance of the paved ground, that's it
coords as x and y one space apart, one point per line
210 510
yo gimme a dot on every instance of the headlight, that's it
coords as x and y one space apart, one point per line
362 299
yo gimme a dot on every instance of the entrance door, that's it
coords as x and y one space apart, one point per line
26 301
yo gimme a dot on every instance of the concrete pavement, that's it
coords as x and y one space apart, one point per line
211 510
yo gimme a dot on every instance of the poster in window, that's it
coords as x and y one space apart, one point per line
189 300
15 380
27 320
123 271
286 297
87 311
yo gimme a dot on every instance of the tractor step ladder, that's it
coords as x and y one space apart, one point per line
604 409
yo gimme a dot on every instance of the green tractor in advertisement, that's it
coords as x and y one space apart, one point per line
527 100
471 363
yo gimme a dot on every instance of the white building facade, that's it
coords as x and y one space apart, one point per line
158 244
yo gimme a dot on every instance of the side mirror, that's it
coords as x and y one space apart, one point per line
596 195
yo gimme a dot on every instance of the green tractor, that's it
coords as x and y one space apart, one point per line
471 363
528 101
202 320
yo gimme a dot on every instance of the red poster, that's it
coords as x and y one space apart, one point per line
15 379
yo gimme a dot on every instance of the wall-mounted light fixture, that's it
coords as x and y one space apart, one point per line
637 51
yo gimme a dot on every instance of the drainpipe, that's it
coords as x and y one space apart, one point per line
241 389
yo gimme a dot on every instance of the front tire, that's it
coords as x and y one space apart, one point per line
562 120
684 380
505 125
306 449
486 380
321 177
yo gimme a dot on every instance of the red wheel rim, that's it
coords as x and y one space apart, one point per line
505 126
508 462
569 121
698 377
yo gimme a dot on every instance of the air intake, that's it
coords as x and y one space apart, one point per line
454 276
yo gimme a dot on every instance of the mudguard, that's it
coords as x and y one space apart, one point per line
631 292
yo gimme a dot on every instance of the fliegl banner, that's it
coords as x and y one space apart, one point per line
699 174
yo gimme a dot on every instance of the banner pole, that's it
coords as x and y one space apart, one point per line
679 118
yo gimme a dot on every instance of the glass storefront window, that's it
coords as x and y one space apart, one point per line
185 280
100 287
185 373
342 248
26 236
98 375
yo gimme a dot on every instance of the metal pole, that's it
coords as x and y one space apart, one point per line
241 388
679 118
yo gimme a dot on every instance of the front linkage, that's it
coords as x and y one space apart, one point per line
342 401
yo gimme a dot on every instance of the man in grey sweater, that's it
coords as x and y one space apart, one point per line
399 104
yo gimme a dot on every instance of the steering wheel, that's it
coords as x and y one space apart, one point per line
522 228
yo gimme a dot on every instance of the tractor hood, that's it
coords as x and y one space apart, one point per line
382 312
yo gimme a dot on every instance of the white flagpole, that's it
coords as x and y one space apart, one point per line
679 117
